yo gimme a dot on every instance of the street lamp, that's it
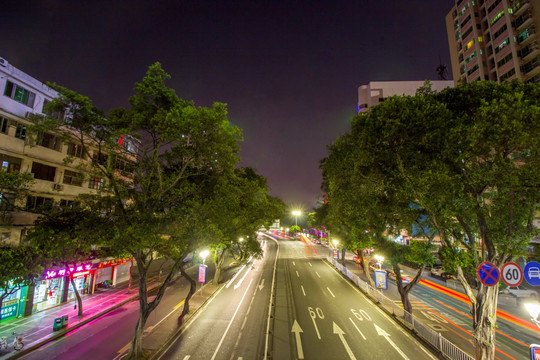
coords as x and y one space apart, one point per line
335 242
380 260
204 254
241 239
296 214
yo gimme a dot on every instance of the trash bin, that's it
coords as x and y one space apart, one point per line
64 321
57 325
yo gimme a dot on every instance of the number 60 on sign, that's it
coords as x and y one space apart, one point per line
512 274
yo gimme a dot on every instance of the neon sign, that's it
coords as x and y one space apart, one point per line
51 274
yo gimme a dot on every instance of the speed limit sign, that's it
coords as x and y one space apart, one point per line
512 274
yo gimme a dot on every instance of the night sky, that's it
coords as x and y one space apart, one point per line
288 70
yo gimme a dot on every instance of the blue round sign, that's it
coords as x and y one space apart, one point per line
488 273
531 273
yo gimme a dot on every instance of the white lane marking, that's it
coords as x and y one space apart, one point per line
187 357
241 280
296 329
340 333
294 263
358 329
317 274
387 337
303 290
310 264
330 292
232 319
297 275
270 301
234 277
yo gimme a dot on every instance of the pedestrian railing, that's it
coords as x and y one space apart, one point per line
446 347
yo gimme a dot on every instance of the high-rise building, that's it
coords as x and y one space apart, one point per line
494 40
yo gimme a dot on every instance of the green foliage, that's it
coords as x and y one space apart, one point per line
15 184
295 229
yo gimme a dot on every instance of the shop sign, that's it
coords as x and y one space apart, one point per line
51 274
113 262
10 308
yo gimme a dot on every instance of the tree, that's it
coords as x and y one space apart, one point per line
238 208
468 157
146 203
19 266
14 186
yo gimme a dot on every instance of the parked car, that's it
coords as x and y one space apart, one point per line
521 292
405 279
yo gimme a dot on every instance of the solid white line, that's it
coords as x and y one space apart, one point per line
241 280
270 301
330 292
232 319
234 277
357 329
303 290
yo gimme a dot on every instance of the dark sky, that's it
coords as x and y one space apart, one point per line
288 70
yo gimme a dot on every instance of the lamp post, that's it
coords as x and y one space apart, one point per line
380 260
296 214
202 268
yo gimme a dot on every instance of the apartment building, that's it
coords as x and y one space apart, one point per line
494 40
376 92
56 183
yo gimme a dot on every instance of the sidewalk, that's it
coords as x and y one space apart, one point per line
37 329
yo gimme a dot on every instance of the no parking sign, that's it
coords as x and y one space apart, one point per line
488 273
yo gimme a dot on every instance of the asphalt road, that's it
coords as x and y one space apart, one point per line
320 315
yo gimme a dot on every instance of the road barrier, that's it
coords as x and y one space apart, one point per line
446 347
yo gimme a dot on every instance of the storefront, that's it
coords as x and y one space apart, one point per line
13 304
112 272
55 286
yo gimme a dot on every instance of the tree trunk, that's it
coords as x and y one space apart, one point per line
219 265
484 320
365 266
136 349
343 257
79 299
130 276
192 289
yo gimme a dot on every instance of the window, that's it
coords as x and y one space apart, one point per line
55 113
10 163
528 67
496 18
507 75
99 158
4 125
7 201
49 141
494 5
67 204
20 94
504 60
38 203
43 172
126 167
75 150
72 178
472 56
467 33
500 31
20 132
469 44
524 35
96 183
473 69
502 45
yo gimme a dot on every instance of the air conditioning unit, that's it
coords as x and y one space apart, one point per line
28 114
58 187
3 62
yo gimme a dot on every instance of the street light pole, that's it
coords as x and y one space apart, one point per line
296 214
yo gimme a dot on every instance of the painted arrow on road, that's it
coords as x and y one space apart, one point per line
296 329
387 337
340 333
261 285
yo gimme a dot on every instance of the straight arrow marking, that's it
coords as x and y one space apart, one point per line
387 337
296 329
340 333
261 285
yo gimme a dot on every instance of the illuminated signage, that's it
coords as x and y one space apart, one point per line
51 273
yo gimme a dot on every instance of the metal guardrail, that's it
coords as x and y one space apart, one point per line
447 348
